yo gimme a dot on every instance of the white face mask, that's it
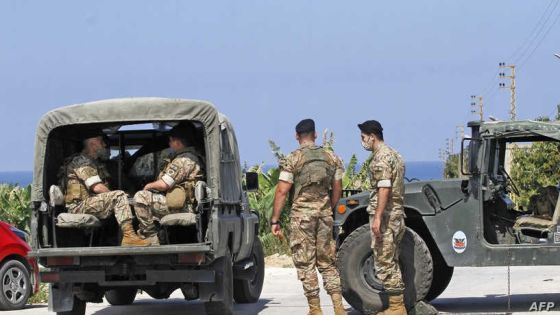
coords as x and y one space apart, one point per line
367 143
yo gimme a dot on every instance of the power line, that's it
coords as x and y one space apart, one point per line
535 32
521 63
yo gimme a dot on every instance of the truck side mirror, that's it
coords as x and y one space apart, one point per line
470 155
252 181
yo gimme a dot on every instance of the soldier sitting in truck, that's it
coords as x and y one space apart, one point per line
173 191
84 179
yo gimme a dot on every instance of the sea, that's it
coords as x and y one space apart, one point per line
422 170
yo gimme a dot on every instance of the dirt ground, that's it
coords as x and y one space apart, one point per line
278 261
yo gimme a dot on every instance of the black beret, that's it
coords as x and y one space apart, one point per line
371 126
305 126
91 133
183 131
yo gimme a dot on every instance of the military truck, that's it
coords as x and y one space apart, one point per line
470 221
215 257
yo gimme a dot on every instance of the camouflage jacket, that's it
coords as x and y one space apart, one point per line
185 166
313 200
387 170
78 175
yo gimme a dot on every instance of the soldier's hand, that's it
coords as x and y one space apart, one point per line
277 231
376 228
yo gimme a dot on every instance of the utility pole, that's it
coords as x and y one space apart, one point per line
511 87
474 100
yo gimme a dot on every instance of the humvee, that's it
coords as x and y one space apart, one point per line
470 221
216 258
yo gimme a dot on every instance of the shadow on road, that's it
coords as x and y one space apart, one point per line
495 303
175 306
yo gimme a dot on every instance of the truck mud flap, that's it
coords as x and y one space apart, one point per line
61 297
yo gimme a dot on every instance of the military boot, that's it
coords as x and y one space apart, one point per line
396 306
153 239
337 304
314 306
130 238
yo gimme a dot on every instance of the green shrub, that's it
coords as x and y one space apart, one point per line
15 205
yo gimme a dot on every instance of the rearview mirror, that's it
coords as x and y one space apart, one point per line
469 152
252 181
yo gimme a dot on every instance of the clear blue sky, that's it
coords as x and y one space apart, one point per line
267 64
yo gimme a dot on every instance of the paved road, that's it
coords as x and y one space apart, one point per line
472 290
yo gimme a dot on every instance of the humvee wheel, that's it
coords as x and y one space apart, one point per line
121 296
79 308
249 291
224 278
363 290
441 279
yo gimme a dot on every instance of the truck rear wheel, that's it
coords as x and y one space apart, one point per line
249 290
121 296
79 308
363 290
224 282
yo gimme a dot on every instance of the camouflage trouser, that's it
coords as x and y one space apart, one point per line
313 246
386 252
104 204
149 206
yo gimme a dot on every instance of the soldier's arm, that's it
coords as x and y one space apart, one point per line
337 182
383 194
282 190
91 179
100 188
159 185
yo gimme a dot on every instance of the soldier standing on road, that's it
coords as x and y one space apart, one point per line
173 191
312 171
87 190
386 212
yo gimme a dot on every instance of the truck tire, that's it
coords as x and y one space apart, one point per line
121 296
79 308
224 278
442 276
361 288
249 291
16 286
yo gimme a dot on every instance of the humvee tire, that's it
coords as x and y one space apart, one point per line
79 308
442 276
224 278
360 287
121 296
248 291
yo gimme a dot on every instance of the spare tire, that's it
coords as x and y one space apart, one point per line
363 290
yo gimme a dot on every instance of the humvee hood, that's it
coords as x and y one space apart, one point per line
128 110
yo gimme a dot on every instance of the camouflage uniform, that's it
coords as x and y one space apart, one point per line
387 170
311 221
81 173
183 170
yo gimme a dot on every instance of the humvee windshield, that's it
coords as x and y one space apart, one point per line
519 208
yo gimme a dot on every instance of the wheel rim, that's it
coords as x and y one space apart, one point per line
367 273
14 285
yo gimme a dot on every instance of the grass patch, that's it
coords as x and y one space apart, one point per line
42 296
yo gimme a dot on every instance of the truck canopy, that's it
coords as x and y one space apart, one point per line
128 111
